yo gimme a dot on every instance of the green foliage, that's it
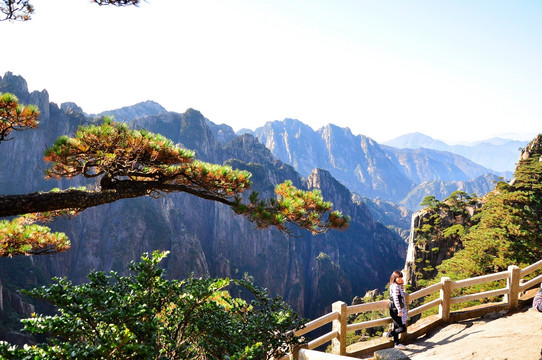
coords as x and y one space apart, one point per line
14 116
457 202
430 228
430 201
18 237
144 316
306 209
505 231
456 229
458 196
116 150
126 157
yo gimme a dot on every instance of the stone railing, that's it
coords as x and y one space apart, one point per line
515 286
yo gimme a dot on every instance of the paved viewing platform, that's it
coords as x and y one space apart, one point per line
494 335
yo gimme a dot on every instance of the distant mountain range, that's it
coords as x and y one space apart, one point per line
402 176
141 109
495 153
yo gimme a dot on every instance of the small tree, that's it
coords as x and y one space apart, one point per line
144 316
430 201
15 117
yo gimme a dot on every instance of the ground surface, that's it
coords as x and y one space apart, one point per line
496 336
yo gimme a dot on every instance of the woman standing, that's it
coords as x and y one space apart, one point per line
398 308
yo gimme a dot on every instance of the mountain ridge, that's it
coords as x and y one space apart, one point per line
495 153
369 169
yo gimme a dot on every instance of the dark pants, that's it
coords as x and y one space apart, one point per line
398 326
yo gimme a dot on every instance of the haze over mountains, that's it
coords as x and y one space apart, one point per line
495 153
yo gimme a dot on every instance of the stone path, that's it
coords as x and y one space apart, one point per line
495 336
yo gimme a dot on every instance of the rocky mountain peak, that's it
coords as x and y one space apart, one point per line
333 131
70 107
129 113
13 83
18 86
333 190
534 148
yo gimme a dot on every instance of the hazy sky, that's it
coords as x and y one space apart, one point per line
454 70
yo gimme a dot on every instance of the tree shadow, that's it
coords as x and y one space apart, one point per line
426 345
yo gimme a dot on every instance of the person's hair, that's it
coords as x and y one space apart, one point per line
395 275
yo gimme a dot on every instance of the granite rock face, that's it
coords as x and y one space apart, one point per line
423 257
355 160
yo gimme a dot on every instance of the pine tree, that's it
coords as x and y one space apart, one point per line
132 163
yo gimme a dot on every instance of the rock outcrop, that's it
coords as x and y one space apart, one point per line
429 246
15 302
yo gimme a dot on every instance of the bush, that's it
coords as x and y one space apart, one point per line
145 316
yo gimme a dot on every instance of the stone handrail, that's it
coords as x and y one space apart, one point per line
340 310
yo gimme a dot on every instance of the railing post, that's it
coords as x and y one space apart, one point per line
294 355
339 343
513 287
445 297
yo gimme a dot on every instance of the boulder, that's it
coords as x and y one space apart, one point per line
390 354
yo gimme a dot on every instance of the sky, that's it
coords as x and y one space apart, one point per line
457 71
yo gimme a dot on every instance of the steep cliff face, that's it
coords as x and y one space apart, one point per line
294 143
435 236
357 161
28 146
365 253
425 253
204 237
